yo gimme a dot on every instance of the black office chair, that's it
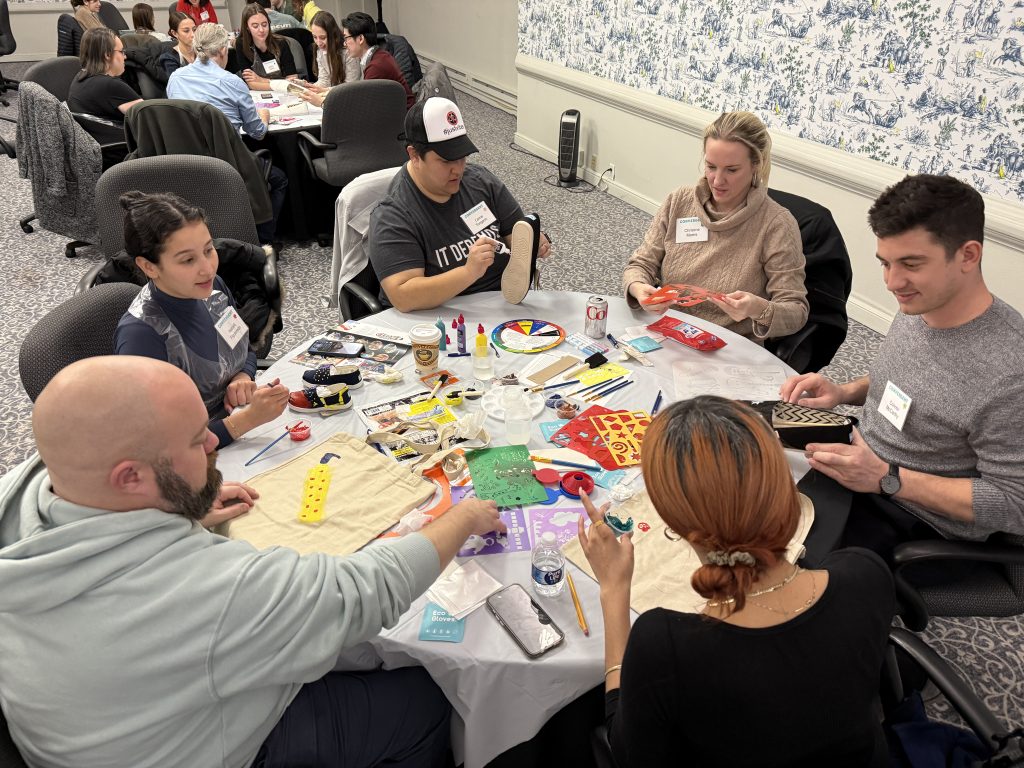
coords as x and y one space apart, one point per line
10 757
404 55
828 278
111 17
7 46
305 48
995 586
83 326
348 148
69 35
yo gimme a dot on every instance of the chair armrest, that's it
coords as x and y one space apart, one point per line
271 281
367 299
89 278
307 140
268 163
953 687
263 363
785 347
913 609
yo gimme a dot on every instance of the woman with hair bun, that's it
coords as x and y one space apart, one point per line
726 235
782 667
185 315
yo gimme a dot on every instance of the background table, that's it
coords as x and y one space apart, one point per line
502 697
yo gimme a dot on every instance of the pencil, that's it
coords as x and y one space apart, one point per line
657 403
559 462
580 617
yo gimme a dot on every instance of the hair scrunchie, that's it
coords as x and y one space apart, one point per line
731 558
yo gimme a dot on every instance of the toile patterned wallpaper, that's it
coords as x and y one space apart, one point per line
925 86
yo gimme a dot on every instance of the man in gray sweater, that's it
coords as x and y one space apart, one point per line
940 433
130 635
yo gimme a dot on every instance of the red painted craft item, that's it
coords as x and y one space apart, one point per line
547 476
574 482
687 333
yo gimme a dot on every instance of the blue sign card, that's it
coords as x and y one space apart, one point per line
438 626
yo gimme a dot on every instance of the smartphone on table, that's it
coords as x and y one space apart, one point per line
331 348
528 624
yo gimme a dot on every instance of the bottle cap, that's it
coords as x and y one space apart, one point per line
548 539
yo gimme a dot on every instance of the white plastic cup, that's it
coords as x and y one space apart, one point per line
426 347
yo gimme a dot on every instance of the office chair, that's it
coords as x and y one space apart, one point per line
214 186
404 55
10 757
7 46
83 326
349 148
302 51
995 587
111 17
828 278
352 277
69 35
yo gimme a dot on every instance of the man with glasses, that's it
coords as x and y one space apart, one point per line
359 34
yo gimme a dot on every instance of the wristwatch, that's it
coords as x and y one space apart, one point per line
891 482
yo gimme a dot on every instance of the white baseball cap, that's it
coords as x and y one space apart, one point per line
438 123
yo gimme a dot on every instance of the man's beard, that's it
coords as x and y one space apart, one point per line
194 505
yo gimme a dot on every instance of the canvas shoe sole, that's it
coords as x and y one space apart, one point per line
320 399
515 280
329 375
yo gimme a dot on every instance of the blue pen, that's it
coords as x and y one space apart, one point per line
657 403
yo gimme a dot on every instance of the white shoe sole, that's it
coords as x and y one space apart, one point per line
515 280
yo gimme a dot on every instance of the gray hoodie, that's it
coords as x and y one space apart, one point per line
139 638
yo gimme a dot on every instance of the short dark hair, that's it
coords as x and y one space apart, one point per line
419 147
150 219
359 23
142 17
263 4
949 210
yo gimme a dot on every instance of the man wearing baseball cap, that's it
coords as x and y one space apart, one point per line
445 226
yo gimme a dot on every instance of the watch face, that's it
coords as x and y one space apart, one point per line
890 484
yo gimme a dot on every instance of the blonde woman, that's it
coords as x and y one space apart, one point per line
726 235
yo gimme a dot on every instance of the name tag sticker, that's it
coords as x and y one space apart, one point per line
204 15
691 230
231 327
478 217
894 405
270 67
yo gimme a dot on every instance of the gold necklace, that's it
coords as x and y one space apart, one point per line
774 588
805 606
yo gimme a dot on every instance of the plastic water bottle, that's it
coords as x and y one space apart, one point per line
548 566
517 417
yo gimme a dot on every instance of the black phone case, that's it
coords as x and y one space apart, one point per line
514 636
798 425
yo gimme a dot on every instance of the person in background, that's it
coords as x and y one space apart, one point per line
98 90
332 66
207 80
794 655
200 11
265 58
726 235
182 29
278 20
360 38
185 314
305 10
143 21
178 648
86 13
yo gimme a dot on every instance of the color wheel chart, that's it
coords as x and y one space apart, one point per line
527 336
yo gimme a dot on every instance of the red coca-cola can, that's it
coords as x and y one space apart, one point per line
595 324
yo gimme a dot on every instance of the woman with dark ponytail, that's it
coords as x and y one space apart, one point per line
185 314
782 667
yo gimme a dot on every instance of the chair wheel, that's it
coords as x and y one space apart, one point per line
70 252
27 229
325 241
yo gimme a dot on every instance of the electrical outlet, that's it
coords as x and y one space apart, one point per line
611 171
582 160
593 162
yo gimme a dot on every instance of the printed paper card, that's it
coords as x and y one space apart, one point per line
548 428
562 521
644 344
438 626
516 539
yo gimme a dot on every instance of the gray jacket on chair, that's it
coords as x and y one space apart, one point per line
63 161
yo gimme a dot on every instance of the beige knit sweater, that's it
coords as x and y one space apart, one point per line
755 248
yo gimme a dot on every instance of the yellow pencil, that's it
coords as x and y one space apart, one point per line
579 608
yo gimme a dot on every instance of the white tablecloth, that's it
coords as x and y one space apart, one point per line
502 697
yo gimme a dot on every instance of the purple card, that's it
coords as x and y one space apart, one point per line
562 520
516 540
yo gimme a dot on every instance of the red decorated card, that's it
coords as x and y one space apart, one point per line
581 435
681 294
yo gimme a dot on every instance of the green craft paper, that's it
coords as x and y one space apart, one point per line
511 491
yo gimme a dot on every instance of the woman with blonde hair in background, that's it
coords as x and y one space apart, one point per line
727 236
782 667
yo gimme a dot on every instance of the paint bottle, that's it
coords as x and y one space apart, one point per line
460 332
483 358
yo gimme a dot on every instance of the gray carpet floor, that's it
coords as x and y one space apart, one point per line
593 235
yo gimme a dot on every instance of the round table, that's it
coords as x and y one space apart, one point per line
496 715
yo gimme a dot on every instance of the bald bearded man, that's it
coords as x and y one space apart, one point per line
130 635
